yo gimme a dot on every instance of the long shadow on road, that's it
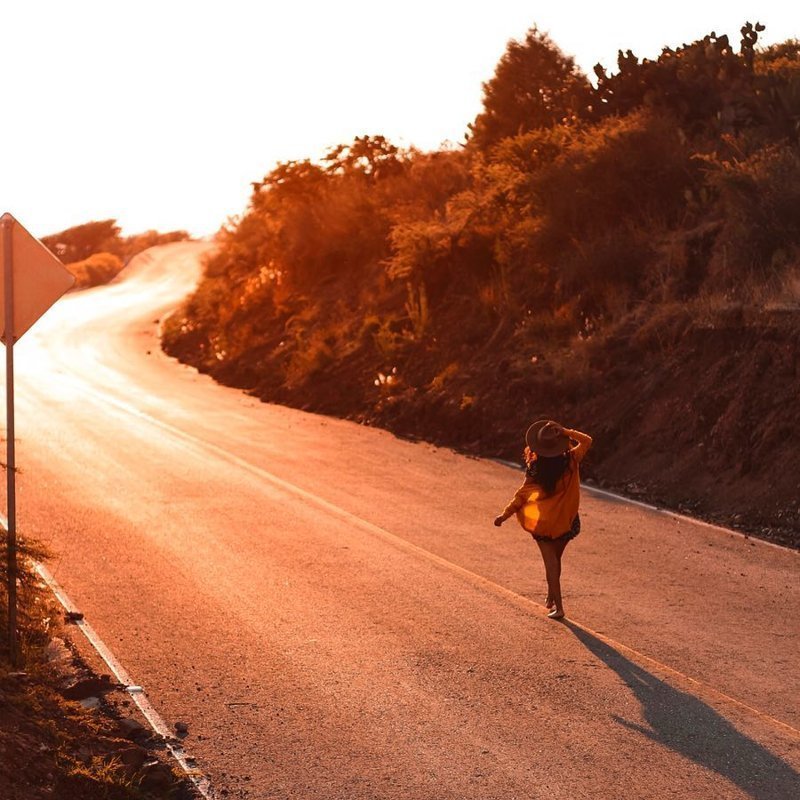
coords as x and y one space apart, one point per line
688 726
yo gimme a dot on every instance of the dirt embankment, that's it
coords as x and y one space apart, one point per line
693 414
709 425
69 732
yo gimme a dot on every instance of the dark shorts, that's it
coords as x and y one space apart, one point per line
573 531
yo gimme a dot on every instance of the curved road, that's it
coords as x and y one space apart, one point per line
334 615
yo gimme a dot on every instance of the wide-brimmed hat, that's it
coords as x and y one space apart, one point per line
547 438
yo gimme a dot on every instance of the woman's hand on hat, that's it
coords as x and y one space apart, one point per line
528 455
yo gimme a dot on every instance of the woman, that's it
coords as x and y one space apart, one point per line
546 504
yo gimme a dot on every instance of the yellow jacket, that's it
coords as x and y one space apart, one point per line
551 515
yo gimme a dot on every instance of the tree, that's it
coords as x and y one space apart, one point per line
371 156
78 243
534 86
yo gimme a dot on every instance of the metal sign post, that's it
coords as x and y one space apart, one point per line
11 491
33 279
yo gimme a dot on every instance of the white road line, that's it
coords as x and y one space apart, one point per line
693 520
136 693
473 578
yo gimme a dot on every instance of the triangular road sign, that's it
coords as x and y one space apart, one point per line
39 277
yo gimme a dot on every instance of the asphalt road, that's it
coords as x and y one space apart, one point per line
333 613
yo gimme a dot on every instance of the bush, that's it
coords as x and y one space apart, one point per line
627 169
760 199
78 243
96 270
571 212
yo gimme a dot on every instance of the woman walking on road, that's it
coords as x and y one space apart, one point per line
546 504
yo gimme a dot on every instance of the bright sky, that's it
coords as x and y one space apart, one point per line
161 113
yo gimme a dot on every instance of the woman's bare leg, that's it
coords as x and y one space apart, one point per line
560 547
552 569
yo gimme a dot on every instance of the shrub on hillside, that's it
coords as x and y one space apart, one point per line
760 199
554 213
95 270
78 243
778 80
318 222
633 168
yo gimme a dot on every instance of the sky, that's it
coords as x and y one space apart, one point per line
160 114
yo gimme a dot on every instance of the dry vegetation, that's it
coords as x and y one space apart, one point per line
624 256
51 747
95 252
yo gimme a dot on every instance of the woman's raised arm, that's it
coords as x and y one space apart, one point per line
584 443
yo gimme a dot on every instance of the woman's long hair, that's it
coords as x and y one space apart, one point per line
546 471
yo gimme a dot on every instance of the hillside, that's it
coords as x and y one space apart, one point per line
622 256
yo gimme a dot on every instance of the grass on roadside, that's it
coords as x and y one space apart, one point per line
50 746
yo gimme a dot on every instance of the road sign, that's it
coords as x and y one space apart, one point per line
39 278
32 280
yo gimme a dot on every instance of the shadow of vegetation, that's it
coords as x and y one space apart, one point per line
688 726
